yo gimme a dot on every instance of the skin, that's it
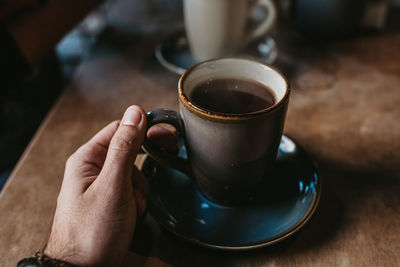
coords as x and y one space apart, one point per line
102 194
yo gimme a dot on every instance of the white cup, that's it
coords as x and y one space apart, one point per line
217 28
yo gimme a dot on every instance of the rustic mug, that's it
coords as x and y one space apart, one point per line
228 154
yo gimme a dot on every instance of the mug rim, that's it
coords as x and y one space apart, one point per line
220 116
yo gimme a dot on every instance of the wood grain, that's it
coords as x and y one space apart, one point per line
344 110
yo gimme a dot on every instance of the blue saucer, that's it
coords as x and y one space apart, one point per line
174 53
281 208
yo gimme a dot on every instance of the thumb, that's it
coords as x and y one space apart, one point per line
124 145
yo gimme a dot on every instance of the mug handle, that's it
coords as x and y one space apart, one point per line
264 26
158 154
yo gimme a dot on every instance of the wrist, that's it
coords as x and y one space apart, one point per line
58 249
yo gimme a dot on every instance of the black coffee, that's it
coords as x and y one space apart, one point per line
232 96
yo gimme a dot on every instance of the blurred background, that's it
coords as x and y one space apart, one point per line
311 25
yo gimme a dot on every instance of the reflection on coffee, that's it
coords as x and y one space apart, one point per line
232 96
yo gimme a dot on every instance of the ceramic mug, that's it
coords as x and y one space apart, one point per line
216 28
228 154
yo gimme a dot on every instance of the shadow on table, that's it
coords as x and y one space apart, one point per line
343 195
346 192
150 240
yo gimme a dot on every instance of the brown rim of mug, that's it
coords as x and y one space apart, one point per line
218 116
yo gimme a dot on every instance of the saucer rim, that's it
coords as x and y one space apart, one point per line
165 63
265 243
178 69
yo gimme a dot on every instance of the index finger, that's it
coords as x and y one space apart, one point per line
163 137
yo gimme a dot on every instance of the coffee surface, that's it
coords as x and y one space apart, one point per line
232 96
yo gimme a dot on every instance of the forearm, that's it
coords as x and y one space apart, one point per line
38 32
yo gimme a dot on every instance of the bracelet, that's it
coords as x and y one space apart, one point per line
41 260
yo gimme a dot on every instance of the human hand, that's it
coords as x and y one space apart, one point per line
98 201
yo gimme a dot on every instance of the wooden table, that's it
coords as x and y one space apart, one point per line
345 110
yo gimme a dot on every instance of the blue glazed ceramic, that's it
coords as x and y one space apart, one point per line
174 53
228 153
278 210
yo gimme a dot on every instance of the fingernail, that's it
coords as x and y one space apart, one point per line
132 117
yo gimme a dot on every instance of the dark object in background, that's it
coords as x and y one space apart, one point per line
23 105
328 19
